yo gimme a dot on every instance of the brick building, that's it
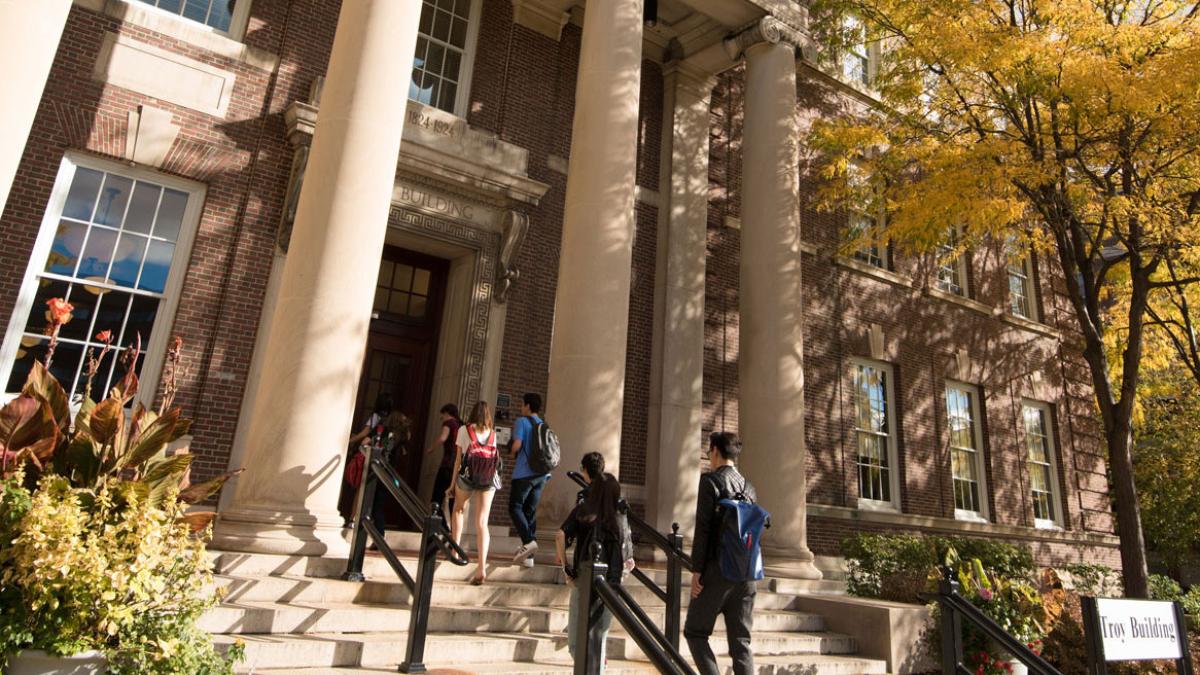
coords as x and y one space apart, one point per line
220 172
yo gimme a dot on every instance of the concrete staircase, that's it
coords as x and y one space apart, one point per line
295 615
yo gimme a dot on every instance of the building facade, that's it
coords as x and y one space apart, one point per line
614 212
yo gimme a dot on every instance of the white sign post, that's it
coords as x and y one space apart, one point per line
1135 630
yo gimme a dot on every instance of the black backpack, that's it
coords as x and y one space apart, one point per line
544 451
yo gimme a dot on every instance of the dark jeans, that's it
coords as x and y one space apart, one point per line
522 505
736 602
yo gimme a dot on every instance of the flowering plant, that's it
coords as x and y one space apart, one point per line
98 549
1014 604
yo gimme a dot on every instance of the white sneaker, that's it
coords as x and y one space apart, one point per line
528 562
525 551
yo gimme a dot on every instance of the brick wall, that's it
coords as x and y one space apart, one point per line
242 159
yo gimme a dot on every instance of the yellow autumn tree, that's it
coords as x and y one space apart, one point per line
1069 125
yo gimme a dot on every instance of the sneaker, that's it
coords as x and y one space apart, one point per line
525 551
528 562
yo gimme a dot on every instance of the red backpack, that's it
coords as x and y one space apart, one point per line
481 461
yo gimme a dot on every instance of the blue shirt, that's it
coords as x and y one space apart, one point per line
523 431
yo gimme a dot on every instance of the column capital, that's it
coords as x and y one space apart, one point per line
769 30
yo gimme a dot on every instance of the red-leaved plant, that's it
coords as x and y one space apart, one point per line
114 440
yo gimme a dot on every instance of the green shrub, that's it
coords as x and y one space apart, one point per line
1191 602
1164 588
899 566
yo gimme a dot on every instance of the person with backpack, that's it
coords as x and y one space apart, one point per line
599 515
727 552
535 450
386 427
477 477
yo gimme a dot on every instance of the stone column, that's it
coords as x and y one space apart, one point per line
29 36
677 380
771 347
297 439
585 396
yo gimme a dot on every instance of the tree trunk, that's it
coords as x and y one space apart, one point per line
1129 514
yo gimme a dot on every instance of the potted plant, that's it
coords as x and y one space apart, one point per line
102 564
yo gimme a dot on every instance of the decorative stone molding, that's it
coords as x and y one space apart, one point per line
487 244
507 273
139 66
151 133
301 120
770 30
544 16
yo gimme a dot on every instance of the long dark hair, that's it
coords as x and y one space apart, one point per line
603 504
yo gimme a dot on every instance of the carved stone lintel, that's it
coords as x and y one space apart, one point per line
771 30
507 273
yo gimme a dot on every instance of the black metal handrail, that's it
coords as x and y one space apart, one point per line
592 587
954 610
671 546
434 539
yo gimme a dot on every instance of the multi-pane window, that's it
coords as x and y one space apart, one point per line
951 265
1039 448
1021 300
856 59
966 459
874 434
439 64
869 252
114 246
216 14
402 290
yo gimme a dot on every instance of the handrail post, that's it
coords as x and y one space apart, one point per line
587 661
418 623
363 501
674 587
951 624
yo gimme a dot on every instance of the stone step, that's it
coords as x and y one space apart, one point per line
319 617
384 649
493 593
813 664
500 569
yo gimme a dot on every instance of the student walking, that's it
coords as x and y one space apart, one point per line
477 477
713 592
528 479
448 440
386 427
597 516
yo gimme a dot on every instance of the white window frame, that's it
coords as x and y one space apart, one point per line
155 349
972 391
1056 497
867 50
893 434
957 266
462 98
1025 268
237 23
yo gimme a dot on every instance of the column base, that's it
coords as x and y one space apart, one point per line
790 563
280 533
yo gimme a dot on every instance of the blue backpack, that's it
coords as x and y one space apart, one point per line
739 543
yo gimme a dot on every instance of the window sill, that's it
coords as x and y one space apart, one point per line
886 276
1031 325
131 12
877 507
960 300
970 517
